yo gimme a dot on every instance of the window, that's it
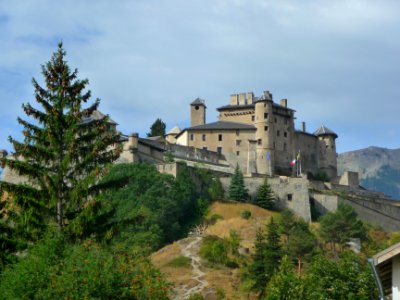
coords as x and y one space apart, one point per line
237 153
278 133
219 137
196 107
219 150
204 148
284 146
259 141
285 134
192 137
289 197
265 115
238 142
276 120
237 132
252 118
265 128
203 137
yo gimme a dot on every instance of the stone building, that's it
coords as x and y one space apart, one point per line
259 135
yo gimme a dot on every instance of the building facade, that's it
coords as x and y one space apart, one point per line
260 136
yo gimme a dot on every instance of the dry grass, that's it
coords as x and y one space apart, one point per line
232 220
225 278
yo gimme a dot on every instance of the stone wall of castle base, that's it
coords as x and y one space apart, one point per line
290 193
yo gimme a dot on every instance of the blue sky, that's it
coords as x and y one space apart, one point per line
337 62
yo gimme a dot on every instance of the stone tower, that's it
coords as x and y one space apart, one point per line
327 157
197 112
264 134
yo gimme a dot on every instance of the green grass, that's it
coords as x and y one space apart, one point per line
180 262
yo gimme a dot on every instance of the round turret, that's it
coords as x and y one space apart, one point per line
327 160
264 134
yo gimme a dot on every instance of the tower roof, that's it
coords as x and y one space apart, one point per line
175 130
325 131
198 101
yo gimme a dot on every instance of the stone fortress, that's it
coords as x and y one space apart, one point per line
259 136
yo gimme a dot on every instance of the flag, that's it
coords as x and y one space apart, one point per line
268 155
293 162
298 155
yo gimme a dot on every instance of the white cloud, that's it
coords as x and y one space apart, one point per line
336 61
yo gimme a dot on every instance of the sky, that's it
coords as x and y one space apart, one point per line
337 62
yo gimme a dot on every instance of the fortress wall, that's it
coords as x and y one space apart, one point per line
324 203
384 215
291 193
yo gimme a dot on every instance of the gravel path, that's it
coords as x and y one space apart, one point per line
191 250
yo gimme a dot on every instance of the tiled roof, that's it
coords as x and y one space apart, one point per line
97 115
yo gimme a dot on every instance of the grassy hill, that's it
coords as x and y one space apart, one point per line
228 217
379 168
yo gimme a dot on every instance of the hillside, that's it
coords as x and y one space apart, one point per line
188 279
379 168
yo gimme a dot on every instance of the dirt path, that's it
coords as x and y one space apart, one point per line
191 250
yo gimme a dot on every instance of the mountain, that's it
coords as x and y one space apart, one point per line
379 168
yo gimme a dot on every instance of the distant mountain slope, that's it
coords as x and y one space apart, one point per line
379 168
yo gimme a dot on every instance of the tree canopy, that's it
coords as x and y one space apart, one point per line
63 154
157 128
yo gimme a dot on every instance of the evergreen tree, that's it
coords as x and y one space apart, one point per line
63 155
237 189
256 270
286 222
273 249
265 196
8 244
157 129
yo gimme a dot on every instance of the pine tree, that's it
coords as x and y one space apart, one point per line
256 269
265 196
8 244
64 153
157 129
273 249
237 189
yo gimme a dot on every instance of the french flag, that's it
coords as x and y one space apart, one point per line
293 162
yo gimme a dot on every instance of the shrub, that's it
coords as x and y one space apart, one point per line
214 250
54 270
196 296
246 214
180 262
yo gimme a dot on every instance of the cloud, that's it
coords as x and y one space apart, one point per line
336 62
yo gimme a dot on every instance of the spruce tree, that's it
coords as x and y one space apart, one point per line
63 154
265 196
273 249
237 189
256 269
157 128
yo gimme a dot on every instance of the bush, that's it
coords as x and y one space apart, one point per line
246 214
216 190
196 296
214 218
54 270
214 250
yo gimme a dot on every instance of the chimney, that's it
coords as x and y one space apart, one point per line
303 126
284 102
242 99
267 95
234 99
250 97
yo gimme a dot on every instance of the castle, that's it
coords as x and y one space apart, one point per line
259 135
